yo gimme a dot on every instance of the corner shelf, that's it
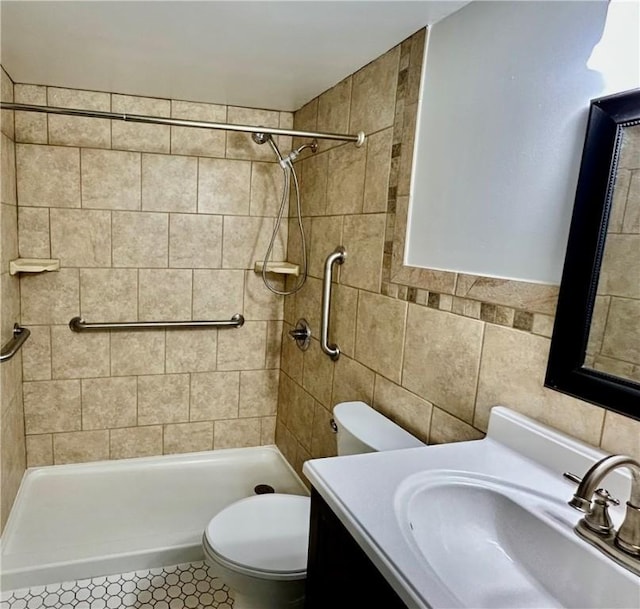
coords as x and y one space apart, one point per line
282 268
33 265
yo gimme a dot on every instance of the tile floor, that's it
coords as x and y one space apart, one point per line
186 586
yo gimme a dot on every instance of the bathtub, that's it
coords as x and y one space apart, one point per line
72 522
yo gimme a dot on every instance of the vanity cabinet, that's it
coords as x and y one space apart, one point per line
339 574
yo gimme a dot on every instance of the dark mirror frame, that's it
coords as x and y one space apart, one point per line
566 372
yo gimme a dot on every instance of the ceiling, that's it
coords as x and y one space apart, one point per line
271 54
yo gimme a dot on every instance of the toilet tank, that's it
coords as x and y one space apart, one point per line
361 429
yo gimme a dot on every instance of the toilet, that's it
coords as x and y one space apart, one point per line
258 545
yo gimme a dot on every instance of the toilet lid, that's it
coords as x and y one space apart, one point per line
265 533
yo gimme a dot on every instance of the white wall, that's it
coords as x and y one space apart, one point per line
505 99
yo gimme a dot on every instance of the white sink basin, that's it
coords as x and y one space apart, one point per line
496 545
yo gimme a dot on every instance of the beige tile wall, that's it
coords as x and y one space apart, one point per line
150 222
614 340
432 350
12 442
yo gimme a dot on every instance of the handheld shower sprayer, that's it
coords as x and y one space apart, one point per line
289 174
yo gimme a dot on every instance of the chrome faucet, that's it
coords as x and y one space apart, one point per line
596 527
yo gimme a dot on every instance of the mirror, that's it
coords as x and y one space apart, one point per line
595 348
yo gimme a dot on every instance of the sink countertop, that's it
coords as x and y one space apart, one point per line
361 490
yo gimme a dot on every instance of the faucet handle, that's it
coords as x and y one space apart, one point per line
598 519
573 477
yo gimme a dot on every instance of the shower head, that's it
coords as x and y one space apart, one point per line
261 138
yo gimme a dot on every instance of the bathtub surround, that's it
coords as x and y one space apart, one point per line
12 441
150 222
433 350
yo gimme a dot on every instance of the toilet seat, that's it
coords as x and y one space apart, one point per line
266 536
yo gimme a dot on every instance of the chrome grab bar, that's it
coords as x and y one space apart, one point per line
338 256
77 324
12 347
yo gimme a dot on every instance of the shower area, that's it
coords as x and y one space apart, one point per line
157 258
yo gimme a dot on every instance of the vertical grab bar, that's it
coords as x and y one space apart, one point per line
338 256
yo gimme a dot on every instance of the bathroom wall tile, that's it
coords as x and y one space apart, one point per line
188 437
193 141
379 345
110 179
128 443
259 302
109 402
622 339
217 294
267 182
246 240
164 294
195 241
50 298
300 417
333 109
6 117
631 220
77 356
39 450
79 131
81 237
620 435
317 377
326 235
442 358
292 357
408 144
80 446
135 353
8 185
10 305
512 374
31 127
364 241
285 441
237 433
8 235
51 406
286 392
313 183
323 440
214 395
36 355
352 381
169 183
274 344
140 239
243 348
258 393
109 294
403 407
306 118
139 136
446 428
13 456
373 95
163 398
77 98
48 175
621 266
345 186
240 145
376 185
191 350
224 186
33 232
543 325
308 303
344 304
267 431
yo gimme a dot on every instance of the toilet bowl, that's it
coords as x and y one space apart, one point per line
258 546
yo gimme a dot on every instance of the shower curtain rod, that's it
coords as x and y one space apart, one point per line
358 139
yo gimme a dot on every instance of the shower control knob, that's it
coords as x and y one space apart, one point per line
301 334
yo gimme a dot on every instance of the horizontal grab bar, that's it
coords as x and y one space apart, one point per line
12 347
77 324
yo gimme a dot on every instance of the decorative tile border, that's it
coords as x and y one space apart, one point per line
504 302
186 586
